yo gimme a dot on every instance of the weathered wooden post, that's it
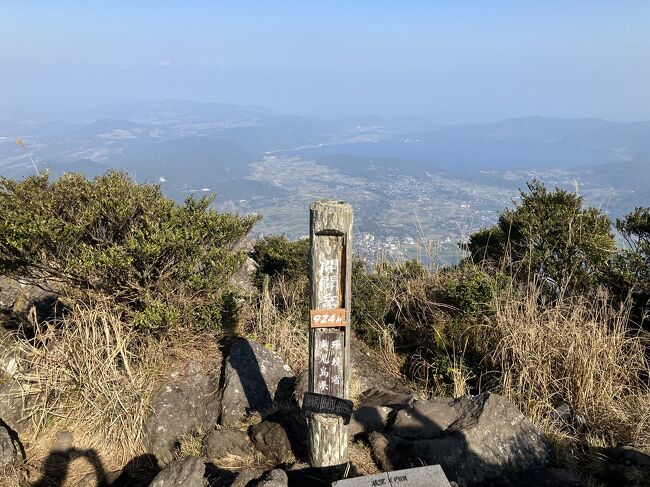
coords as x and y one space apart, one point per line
329 334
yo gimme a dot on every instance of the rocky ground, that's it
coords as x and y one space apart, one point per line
234 420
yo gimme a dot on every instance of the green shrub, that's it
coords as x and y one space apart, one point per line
488 245
371 300
631 266
160 262
467 289
550 237
277 257
375 292
427 316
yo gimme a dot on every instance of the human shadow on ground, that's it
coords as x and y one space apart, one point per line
291 417
140 470
280 407
57 464
217 476
244 362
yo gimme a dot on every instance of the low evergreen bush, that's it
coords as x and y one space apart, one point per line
549 237
162 263
279 257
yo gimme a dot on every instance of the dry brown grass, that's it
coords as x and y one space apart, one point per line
361 459
540 353
91 374
235 462
425 334
12 476
578 351
277 320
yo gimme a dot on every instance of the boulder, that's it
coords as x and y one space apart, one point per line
368 418
376 406
10 290
222 442
381 450
474 439
12 405
245 476
253 378
186 402
394 398
8 450
272 441
242 279
274 478
425 419
185 472
19 300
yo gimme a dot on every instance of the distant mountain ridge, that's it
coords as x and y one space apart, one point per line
259 160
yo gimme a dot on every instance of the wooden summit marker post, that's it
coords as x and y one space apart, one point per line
330 271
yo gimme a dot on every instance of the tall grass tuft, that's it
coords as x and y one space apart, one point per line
277 318
92 374
577 351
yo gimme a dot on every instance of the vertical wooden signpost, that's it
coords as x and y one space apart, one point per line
329 347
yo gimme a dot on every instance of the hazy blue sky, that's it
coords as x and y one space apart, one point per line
449 61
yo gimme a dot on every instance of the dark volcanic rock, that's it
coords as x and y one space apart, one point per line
274 478
375 408
425 419
222 442
186 472
245 476
368 418
10 289
19 301
474 439
382 450
8 450
187 402
394 399
242 280
12 406
271 439
253 378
